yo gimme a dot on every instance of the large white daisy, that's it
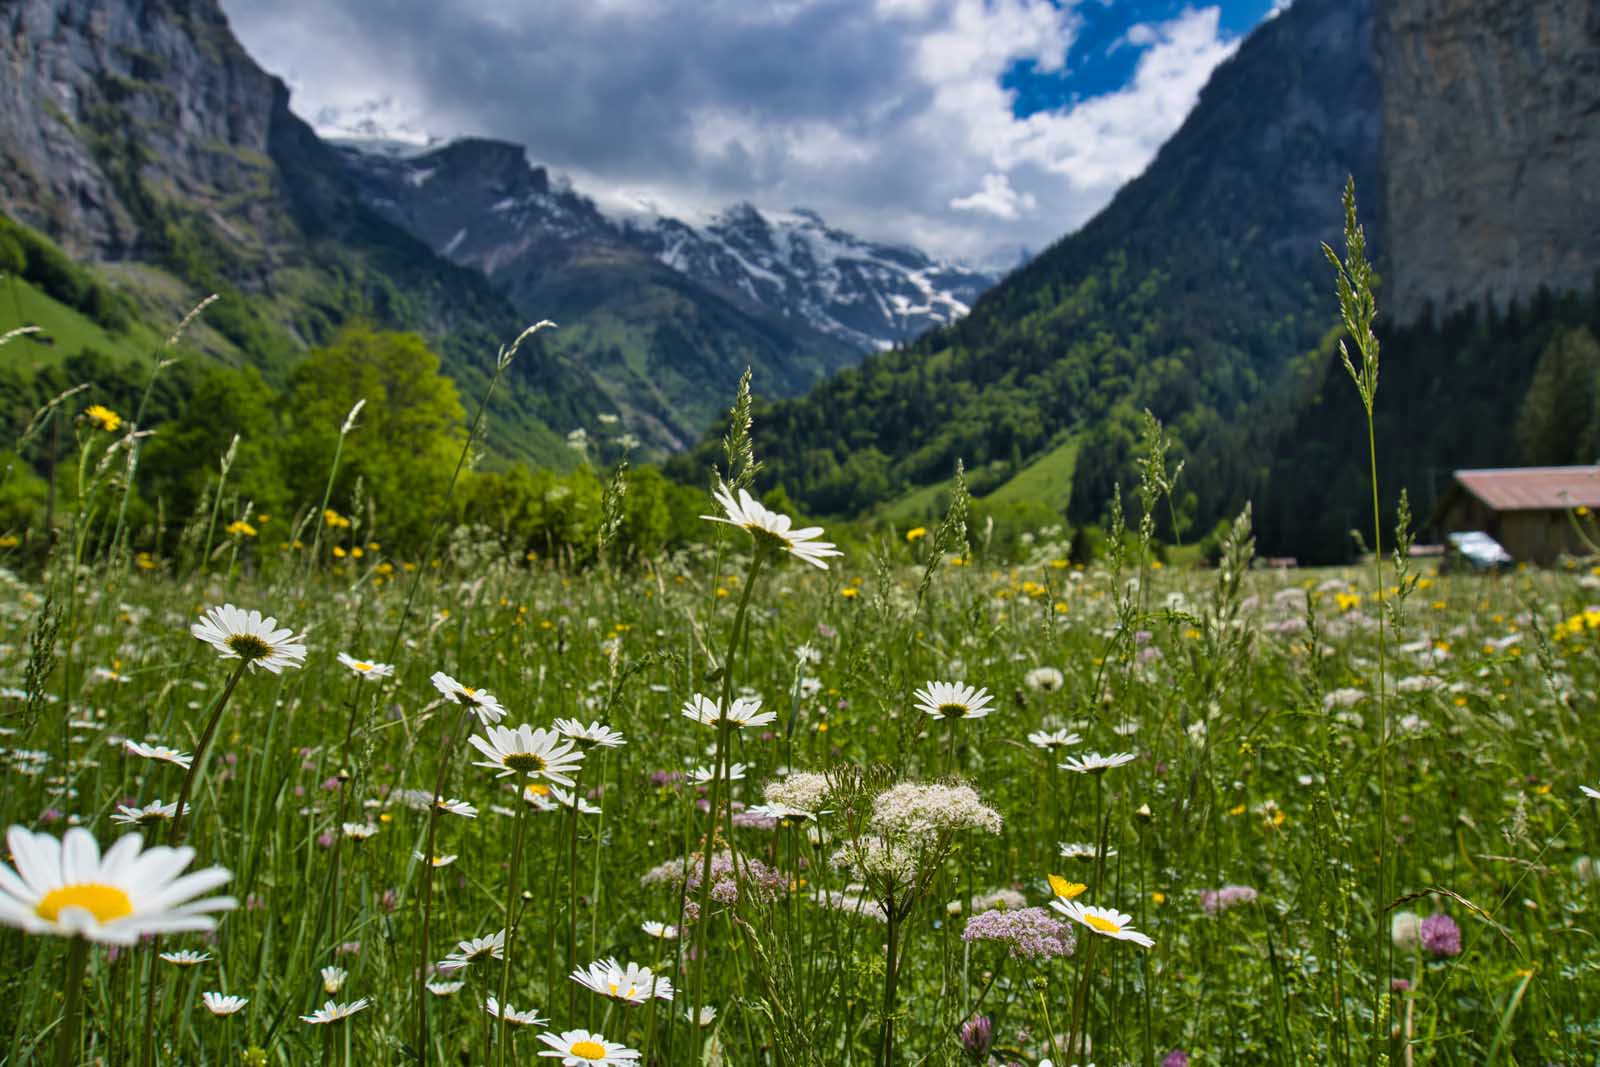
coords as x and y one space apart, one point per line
953 700
68 888
580 1048
1107 922
772 529
481 702
746 711
246 635
630 982
528 752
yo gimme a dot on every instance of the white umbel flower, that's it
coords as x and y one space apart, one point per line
69 889
953 700
528 752
771 529
333 1012
222 1004
247 636
746 711
480 701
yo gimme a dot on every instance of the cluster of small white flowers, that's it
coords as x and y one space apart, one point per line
878 861
805 790
1002 899
919 810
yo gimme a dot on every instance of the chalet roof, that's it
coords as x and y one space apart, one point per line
1534 488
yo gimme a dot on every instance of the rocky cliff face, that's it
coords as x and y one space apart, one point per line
1491 161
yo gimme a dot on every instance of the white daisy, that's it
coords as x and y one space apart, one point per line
571 800
1078 850
708 1015
443 860
528 752
1108 922
333 979
456 806
1044 679
746 711
1053 739
358 831
772 810
1094 763
153 812
332 1012
247 636
158 752
222 1004
366 668
595 734
1592 794
482 702
186 957
632 983
953 700
770 529
68 888
704 775
661 931
512 1015
475 949
445 989
580 1048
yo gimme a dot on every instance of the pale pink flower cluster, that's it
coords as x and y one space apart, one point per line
1030 933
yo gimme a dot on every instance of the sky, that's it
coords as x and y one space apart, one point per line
974 129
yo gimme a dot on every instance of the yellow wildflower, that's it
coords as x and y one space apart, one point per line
103 417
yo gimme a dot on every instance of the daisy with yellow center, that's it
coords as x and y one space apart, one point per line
953 700
581 1048
770 529
1107 922
250 637
365 668
528 752
631 983
480 702
69 889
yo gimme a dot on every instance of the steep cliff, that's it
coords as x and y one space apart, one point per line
1491 160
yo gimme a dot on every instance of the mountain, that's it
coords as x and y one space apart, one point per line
657 307
141 137
1189 295
1491 159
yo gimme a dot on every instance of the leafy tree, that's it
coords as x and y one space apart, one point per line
407 438
1559 420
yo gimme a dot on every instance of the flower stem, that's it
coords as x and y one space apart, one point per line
891 973
72 1021
175 831
502 1041
427 896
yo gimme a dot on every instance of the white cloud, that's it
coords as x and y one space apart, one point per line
996 198
884 115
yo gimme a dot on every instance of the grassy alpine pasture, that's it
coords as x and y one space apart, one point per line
300 800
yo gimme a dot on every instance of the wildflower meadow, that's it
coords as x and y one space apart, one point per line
766 800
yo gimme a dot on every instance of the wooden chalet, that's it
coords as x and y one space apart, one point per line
1526 509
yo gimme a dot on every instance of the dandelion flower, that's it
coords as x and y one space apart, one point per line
1107 922
365 668
160 753
512 1015
1065 889
221 1004
1094 763
154 812
770 529
593 735
953 700
332 1012
69 889
529 752
746 711
186 958
475 949
247 636
103 417
481 702
580 1048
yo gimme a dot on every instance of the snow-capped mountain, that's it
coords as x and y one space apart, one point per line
481 204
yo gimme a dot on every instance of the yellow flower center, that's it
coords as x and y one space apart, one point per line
1105 926
104 902
249 646
362 666
589 1050
526 762
952 711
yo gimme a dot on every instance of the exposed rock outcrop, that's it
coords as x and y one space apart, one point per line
1491 159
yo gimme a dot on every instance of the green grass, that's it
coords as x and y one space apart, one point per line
68 331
